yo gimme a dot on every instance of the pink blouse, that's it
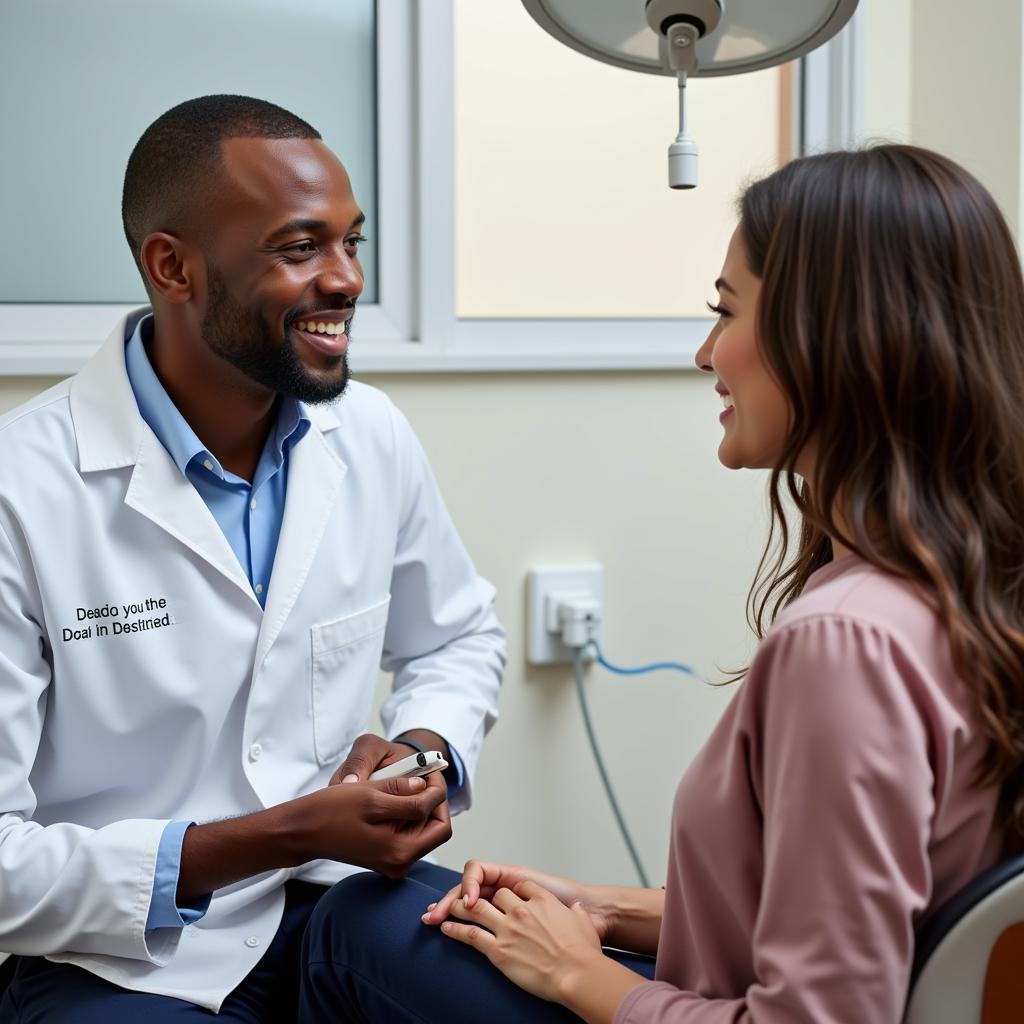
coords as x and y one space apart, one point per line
832 806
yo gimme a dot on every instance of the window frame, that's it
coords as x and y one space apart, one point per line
413 326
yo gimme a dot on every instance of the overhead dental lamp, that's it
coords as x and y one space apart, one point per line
690 38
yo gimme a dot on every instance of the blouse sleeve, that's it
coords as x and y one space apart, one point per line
840 766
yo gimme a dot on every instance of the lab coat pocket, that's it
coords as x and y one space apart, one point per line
346 659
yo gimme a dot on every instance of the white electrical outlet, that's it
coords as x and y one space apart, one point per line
545 587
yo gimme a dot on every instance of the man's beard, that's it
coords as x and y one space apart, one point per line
249 344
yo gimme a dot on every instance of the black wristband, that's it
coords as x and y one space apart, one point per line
418 747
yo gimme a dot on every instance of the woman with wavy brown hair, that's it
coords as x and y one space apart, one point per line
869 350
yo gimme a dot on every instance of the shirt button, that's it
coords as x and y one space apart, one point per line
258 588
253 941
252 504
208 464
255 752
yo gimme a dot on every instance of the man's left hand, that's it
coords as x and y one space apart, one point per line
371 752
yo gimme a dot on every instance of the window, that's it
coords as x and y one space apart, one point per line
567 248
79 82
73 112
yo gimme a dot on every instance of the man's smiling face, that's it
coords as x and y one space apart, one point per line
283 271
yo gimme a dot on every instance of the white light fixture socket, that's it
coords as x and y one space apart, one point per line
681 40
683 153
682 163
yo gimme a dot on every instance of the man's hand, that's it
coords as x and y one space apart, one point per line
371 752
385 826
368 753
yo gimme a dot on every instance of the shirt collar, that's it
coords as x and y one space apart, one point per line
292 425
172 429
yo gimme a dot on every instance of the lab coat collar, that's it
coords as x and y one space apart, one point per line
108 427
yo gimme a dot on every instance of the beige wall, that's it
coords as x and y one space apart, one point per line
966 94
621 468
887 36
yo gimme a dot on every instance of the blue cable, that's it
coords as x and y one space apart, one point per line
589 725
658 666
634 855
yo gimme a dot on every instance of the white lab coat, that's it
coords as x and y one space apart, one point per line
207 705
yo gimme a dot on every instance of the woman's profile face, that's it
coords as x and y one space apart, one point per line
755 416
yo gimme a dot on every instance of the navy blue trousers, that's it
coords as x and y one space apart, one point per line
355 953
368 959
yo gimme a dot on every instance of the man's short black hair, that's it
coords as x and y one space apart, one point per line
175 166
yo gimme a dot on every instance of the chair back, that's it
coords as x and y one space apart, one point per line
969 954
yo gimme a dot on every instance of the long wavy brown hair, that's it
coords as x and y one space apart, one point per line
892 316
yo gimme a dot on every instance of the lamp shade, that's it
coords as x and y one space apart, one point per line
751 34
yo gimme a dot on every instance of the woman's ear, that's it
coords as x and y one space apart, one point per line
167 263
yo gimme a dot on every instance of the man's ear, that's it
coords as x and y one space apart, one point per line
169 266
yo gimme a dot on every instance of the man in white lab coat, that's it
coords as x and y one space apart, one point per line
204 560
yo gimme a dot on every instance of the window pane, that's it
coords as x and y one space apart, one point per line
562 202
70 117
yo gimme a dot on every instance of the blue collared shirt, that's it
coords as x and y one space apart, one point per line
250 514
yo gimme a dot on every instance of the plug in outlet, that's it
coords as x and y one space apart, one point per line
548 589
